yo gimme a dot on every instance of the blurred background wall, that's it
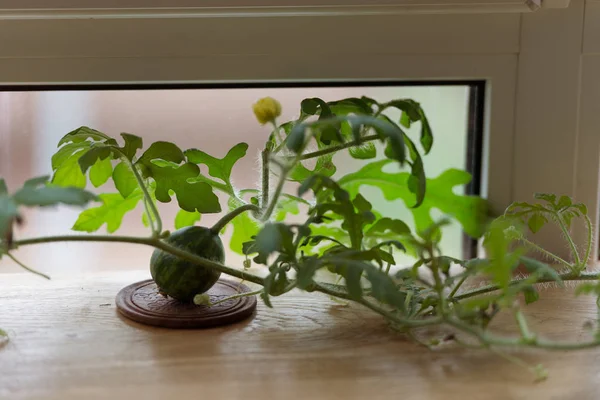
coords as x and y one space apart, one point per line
31 124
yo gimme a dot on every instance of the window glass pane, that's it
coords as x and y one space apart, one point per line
31 124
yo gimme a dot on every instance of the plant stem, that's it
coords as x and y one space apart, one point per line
456 323
217 227
486 339
524 327
565 231
150 206
333 149
458 285
223 187
203 262
407 300
154 242
418 341
149 215
379 310
277 131
265 156
25 267
439 285
237 296
414 323
489 340
217 185
285 169
517 361
590 241
267 214
547 253
565 277
292 285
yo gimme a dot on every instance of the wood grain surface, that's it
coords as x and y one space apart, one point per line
68 342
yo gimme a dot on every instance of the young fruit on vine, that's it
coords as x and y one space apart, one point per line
181 279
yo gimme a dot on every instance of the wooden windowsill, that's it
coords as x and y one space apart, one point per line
68 342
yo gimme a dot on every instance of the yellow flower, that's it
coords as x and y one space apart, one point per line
266 110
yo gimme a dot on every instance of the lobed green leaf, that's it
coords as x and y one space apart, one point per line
40 195
111 212
124 179
83 134
186 218
66 151
244 227
132 144
536 222
564 202
101 172
470 211
69 173
95 153
8 213
363 152
218 167
164 151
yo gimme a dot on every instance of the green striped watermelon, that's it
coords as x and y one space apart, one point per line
181 279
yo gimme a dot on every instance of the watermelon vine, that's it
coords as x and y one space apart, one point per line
344 248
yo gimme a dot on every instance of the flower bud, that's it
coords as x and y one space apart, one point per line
266 110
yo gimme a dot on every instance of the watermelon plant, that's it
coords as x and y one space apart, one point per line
342 245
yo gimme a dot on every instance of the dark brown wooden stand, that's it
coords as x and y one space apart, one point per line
141 302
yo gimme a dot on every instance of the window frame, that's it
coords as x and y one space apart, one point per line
510 52
179 8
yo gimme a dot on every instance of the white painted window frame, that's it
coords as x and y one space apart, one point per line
541 118
181 8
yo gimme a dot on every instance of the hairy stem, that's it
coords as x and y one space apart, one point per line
217 227
483 337
285 170
154 242
524 327
334 149
277 131
565 230
590 242
217 185
264 195
148 203
203 262
237 296
25 267
149 216
225 188
439 285
414 323
329 290
489 340
565 277
547 253
276 194
539 375
458 285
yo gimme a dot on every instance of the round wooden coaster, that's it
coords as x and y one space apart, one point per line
142 303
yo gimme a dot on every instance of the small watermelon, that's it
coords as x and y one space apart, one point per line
181 279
